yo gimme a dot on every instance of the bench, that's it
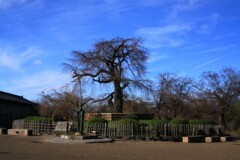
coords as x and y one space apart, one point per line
3 131
226 139
212 139
23 132
193 139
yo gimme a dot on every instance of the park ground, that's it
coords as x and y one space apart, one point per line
37 148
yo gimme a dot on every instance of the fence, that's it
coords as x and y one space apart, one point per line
38 127
142 131
129 130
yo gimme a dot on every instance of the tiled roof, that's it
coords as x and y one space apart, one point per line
14 98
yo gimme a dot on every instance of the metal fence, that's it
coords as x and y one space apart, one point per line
128 130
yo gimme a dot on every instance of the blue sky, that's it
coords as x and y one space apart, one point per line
185 37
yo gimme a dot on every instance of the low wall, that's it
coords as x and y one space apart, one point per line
23 132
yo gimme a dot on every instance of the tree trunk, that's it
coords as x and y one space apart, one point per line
221 116
175 113
222 119
118 97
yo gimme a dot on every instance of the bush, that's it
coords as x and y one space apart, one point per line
154 122
130 116
179 121
201 122
97 120
36 118
127 121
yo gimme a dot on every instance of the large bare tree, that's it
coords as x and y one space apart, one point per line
118 62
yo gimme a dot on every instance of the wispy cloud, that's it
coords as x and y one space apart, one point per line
5 4
14 60
182 6
174 27
210 25
207 63
52 79
154 57
169 35
216 49
80 15
37 62
38 82
119 6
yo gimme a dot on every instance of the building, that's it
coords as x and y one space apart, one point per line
14 107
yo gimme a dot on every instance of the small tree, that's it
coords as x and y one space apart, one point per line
59 105
223 89
172 93
119 63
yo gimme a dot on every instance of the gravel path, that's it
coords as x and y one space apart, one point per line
38 148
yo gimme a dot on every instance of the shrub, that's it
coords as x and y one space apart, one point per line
179 121
96 124
201 122
130 116
127 121
36 118
154 122
153 127
126 127
97 120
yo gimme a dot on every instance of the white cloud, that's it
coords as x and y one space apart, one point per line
118 6
37 62
7 3
14 60
216 49
182 6
43 80
169 35
32 85
154 57
210 25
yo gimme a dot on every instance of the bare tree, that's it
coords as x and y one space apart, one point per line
58 104
223 89
62 104
118 62
172 94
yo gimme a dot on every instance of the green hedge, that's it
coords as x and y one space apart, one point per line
201 122
127 120
154 122
36 118
130 116
179 121
97 120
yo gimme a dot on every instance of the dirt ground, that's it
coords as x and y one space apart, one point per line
36 148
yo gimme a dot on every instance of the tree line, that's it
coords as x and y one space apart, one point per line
120 65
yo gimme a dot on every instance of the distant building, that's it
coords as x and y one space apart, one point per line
14 107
